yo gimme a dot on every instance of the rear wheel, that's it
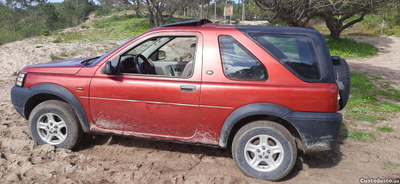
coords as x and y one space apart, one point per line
55 122
264 150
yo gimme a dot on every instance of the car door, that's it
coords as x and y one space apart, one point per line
148 104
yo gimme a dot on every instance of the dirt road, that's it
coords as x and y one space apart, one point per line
105 159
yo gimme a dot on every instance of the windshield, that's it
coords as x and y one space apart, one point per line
102 57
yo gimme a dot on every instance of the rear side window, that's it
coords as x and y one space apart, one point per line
296 52
239 63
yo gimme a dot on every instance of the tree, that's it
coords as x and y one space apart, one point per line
202 3
75 11
156 8
338 14
135 4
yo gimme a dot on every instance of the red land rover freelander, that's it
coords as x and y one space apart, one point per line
264 92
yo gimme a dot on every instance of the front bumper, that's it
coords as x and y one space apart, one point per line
318 131
19 97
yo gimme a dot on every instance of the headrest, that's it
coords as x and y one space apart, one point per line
192 49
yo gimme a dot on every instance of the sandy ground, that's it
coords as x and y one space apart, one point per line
105 159
386 63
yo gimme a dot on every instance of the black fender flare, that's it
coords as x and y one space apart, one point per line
65 94
246 111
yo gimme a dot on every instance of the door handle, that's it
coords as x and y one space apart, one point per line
188 88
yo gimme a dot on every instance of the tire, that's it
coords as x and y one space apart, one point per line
343 75
273 166
55 122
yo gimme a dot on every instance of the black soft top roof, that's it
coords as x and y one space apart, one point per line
318 40
277 30
197 22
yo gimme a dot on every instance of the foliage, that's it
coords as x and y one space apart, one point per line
156 9
370 95
385 20
21 19
395 31
73 12
112 28
370 118
335 13
374 22
385 129
348 48
390 165
358 135
44 32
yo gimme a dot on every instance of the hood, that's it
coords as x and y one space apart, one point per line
71 66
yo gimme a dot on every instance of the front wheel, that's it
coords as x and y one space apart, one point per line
264 150
55 122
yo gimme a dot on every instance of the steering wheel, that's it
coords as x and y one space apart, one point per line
136 63
147 67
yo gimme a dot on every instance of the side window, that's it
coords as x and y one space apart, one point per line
238 63
178 49
170 56
297 52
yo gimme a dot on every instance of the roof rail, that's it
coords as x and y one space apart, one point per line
197 22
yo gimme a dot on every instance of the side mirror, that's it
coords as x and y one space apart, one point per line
108 69
161 55
336 60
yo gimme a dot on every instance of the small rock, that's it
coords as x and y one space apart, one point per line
13 177
47 148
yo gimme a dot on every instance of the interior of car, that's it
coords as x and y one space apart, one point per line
169 56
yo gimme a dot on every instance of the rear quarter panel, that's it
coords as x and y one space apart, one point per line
282 87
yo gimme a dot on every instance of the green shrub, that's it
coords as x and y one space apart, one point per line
397 19
359 135
394 31
370 118
27 32
348 48
57 40
366 98
44 32
385 129
390 165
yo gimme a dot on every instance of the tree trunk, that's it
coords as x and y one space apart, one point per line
208 9
215 9
243 11
195 12
137 8
238 6
152 19
201 11
226 4
335 27
335 34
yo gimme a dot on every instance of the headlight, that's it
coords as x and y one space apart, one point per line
20 79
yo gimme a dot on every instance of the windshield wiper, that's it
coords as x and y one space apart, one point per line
89 61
